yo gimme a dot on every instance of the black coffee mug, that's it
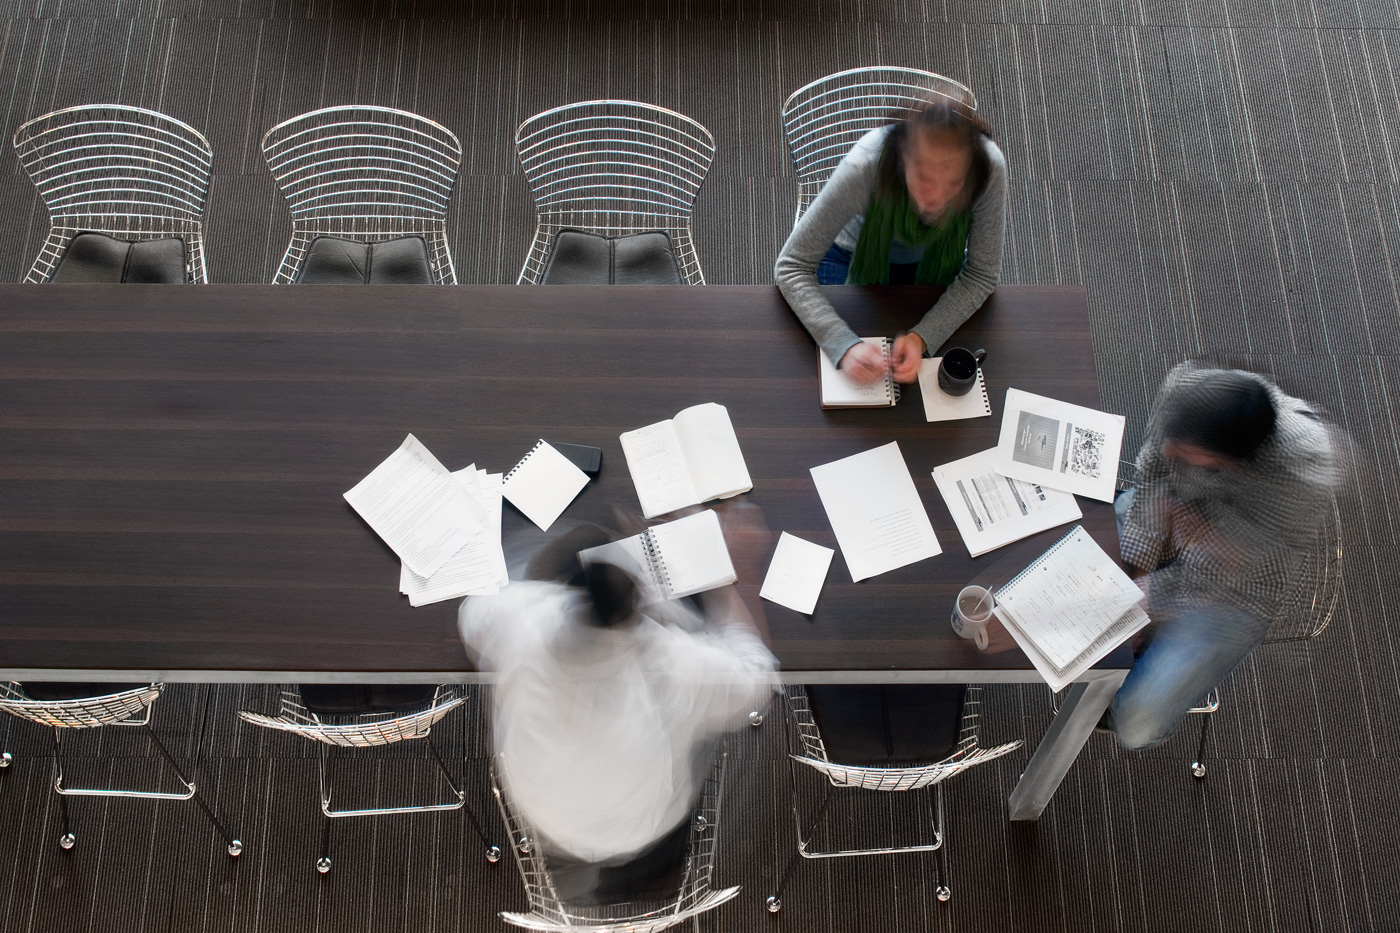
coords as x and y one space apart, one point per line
957 374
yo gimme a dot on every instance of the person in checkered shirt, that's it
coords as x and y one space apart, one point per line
1233 478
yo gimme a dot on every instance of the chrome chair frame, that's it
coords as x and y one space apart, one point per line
365 173
824 119
366 730
127 172
967 754
125 708
613 168
694 897
1308 605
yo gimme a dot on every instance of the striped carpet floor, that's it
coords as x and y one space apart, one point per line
1220 174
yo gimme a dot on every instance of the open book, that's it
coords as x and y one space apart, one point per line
838 391
679 558
692 458
1070 607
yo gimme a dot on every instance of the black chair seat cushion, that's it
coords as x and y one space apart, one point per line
580 258
98 259
353 699
334 261
887 725
655 873
50 691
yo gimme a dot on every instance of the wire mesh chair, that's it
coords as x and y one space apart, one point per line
368 174
126 172
367 730
966 754
824 119
127 707
693 898
614 168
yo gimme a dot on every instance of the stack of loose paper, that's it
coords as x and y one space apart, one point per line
992 510
1059 445
875 511
479 568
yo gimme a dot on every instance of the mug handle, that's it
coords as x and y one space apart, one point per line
978 356
980 636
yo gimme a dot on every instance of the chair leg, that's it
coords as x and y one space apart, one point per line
323 864
235 845
493 852
774 901
67 840
942 890
1198 767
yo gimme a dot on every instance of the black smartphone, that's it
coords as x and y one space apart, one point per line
587 459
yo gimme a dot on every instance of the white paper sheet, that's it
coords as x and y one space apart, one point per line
414 504
940 406
479 568
992 510
876 512
1059 445
543 484
797 573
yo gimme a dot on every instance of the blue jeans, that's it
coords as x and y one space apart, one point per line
836 265
1187 657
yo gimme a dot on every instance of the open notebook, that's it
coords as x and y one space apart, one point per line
1070 607
686 460
840 392
679 558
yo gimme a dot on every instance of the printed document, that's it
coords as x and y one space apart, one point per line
1059 445
992 510
875 510
797 573
414 504
478 569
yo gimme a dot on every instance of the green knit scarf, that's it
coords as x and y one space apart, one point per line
945 245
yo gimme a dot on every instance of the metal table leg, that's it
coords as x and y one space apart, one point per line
1084 703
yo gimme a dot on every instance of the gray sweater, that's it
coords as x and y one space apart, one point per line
836 217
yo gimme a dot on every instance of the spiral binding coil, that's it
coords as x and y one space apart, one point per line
891 387
1039 560
656 562
523 460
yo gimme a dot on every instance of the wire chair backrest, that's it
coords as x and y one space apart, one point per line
110 159
354 162
357 731
964 756
824 119
84 713
694 897
614 157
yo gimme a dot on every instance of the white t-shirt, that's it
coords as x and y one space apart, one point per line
604 733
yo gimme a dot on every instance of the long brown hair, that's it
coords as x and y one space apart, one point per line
944 115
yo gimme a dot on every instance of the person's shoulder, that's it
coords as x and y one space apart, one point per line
996 159
867 149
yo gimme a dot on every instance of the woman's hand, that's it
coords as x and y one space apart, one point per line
905 357
863 364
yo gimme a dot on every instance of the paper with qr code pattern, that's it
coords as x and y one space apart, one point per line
1059 445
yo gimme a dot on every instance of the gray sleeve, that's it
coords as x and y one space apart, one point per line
982 269
846 194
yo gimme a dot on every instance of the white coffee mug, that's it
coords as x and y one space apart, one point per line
971 613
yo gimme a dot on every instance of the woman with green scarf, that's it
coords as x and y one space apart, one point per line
923 201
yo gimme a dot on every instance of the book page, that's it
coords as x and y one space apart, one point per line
992 510
1069 598
543 484
712 452
1063 446
479 567
658 467
876 512
414 504
797 573
839 391
693 554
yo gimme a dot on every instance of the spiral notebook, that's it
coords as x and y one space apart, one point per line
679 558
543 484
840 392
1070 607
940 406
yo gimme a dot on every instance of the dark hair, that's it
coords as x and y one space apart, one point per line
612 592
943 115
1226 412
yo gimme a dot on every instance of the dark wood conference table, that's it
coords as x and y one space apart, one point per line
172 462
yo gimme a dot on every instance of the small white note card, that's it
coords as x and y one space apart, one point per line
796 576
543 484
